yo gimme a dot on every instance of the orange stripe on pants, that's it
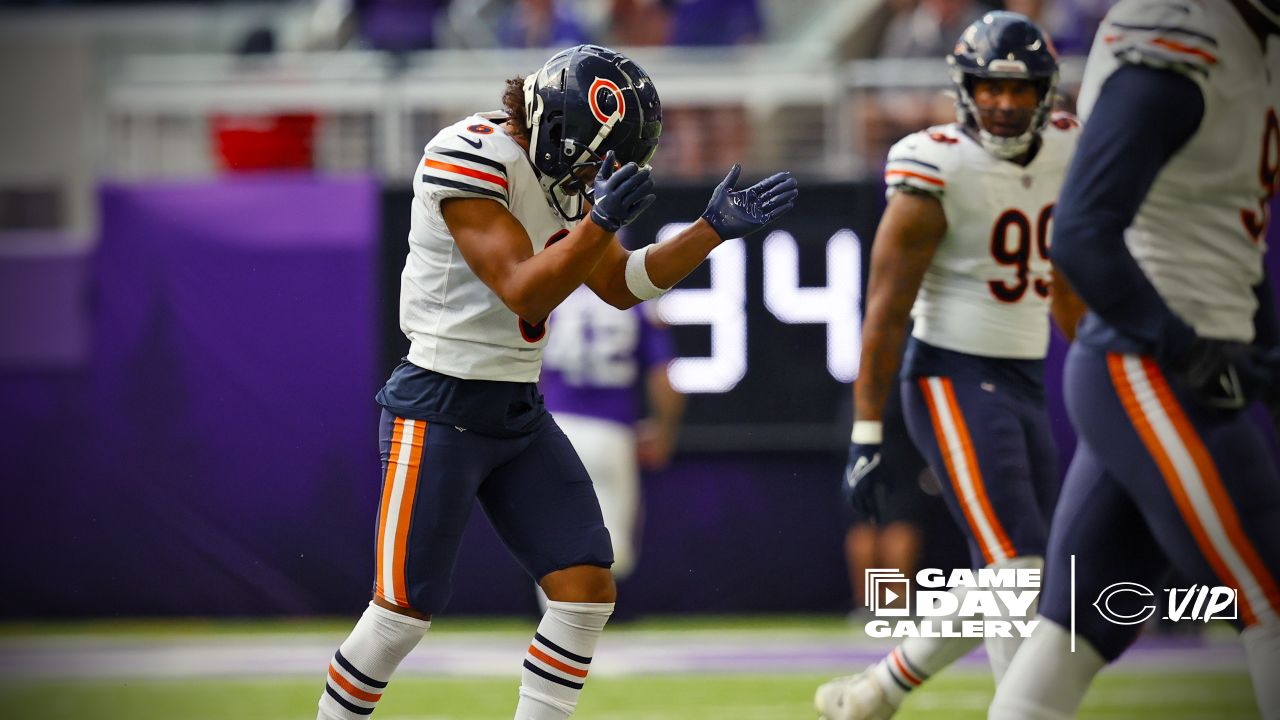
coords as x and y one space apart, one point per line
971 467
1219 499
384 506
975 472
1168 470
397 593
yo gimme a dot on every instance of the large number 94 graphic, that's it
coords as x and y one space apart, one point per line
1011 241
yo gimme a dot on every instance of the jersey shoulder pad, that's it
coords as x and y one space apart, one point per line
1063 130
471 158
1168 34
923 161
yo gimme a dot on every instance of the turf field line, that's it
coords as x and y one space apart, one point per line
486 655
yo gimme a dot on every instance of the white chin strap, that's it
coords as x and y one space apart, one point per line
1006 148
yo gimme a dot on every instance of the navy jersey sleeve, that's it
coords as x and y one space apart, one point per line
1143 115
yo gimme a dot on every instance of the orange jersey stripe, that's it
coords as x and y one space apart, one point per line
1119 378
918 176
469 172
352 690
387 481
407 495
1213 484
556 663
941 437
975 471
1179 47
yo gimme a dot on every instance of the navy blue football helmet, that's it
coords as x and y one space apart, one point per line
584 102
1003 45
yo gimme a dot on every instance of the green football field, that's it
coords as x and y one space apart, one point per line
189 672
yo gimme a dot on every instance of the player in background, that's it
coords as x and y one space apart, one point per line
512 211
963 249
605 379
1161 230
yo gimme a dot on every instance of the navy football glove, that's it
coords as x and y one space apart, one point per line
619 196
1225 374
736 213
861 479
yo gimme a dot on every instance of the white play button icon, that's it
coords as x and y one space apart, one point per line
890 596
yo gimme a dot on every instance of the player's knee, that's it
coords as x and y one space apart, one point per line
581 583
408 612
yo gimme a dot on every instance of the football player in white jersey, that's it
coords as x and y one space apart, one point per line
1161 229
512 211
963 248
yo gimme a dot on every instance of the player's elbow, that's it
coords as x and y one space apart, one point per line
623 300
616 293
1074 243
524 302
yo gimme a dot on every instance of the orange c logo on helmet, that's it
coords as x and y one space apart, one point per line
605 99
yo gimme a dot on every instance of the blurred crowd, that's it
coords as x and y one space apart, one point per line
698 142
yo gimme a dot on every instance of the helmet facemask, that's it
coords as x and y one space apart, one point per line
1001 146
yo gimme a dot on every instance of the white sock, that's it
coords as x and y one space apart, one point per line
1046 681
916 659
1262 647
558 659
365 661
1000 650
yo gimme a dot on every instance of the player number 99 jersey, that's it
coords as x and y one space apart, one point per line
986 291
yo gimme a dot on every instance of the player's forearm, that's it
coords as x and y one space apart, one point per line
883 335
666 404
538 284
890 294
671 261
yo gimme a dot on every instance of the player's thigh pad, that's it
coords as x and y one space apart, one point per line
1203 478
975 441
544 507
431 473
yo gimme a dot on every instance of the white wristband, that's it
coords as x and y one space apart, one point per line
638 281
867 432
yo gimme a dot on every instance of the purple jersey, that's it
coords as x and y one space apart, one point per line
597 357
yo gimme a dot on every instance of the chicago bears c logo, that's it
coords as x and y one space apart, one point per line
605 98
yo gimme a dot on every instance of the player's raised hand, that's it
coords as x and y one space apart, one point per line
620 194
861 478
736 213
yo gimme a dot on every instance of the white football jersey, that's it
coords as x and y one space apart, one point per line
456 325
1199 235
986 291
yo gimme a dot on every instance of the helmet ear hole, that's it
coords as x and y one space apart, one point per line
555 127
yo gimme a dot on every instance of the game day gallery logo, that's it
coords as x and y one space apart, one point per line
995 602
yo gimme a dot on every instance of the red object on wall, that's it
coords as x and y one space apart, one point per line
264 142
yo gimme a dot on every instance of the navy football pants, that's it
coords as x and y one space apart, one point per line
1158 482
533 488
994 457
